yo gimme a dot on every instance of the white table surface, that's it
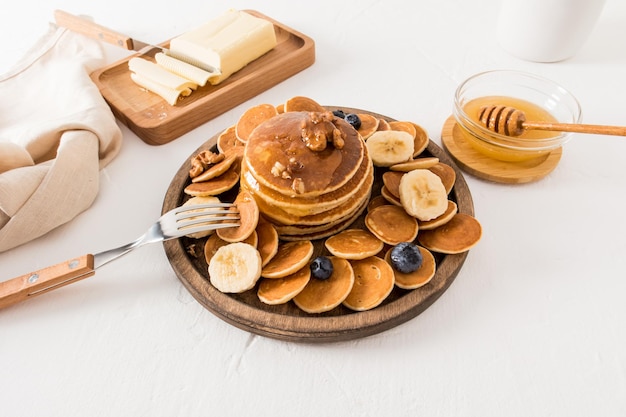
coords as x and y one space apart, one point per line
534 324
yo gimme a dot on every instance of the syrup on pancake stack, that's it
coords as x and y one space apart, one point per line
309 172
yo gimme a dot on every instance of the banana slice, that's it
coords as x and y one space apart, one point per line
423 195
390 147
235 268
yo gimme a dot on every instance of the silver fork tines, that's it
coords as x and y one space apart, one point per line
178 222
212 216
195 218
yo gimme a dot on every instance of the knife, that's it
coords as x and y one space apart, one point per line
87 27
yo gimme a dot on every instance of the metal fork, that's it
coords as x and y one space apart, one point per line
175 223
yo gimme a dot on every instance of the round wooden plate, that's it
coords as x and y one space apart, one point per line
287 321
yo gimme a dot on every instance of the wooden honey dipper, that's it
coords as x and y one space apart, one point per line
512 122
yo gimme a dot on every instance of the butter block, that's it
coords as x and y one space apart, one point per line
227 43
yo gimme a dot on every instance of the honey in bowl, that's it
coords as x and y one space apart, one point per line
506 151
539 98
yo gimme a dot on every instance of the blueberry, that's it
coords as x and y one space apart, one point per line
321 267
354 120
406 257
339 113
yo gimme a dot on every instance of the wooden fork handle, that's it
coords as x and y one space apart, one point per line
38 282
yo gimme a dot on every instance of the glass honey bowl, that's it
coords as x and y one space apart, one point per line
540 99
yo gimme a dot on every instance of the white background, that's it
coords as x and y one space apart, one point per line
534 324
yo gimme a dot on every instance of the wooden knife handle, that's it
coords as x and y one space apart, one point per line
35 283
93 30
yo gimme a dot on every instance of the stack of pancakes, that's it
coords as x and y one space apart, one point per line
309 172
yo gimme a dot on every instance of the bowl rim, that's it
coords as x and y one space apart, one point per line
514 142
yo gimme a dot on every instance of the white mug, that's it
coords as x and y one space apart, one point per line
546 30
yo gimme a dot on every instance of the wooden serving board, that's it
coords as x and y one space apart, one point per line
156 122
287 321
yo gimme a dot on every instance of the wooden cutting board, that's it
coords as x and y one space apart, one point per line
156 122
287 321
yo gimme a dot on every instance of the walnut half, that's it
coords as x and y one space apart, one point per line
202 161
320 129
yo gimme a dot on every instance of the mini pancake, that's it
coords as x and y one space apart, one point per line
214 242
383 125
379 200
419 277
280 108
210 218
388 195
391 224
458 235
214 186
238 152
354 244
289 258
252 240
248 219
301 103
369 125
323 295
441 220
373 282
418 163
253 117
403 126
421 140
228 139
281 290
218 169
391 179
446 173
267 244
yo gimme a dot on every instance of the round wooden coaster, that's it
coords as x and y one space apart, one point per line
481 166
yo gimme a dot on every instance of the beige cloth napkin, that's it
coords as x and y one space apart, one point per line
56 133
